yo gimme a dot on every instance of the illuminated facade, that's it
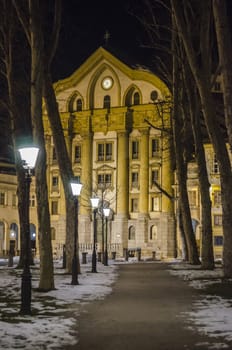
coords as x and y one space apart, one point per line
116 124
108 111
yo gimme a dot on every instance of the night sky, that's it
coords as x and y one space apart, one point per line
84 25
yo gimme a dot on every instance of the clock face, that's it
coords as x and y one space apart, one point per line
107 83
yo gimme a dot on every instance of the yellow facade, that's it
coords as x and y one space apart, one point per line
107 109
116 124
113 121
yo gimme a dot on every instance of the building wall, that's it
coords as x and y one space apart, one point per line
118 159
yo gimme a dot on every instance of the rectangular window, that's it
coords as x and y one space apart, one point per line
54 159
104 180
155 148
217 200
77 154
134 205
108 147
14 200
108 179
135 149
134 179
55 183
192 195
53 234
215 167
217 219
154 176
155 202
104 151
54 207
32 201
2 198
218 240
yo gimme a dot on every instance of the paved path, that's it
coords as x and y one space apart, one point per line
142 313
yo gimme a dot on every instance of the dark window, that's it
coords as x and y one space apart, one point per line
79 104
134 205
136 98
54 155
218 240
54 208
78 154
104 180
135 149
104 151
134 179
155 147
154 176
108 148
154 95
215 167
55 183
106 103
2 198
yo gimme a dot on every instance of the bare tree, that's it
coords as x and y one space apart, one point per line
31 19
198 57
224 43
13 69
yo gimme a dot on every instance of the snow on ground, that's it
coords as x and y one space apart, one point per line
52 324
211 314
54 313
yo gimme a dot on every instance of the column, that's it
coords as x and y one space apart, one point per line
121 218
144 172
142 222
86 193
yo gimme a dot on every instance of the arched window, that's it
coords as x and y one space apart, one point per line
106 103
79 105
131 235
136 98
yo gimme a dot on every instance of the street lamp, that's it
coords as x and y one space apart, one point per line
76 190
106 214
28 156
94 203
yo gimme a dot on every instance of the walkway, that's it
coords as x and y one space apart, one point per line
144 312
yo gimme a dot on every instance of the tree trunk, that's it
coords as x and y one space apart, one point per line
64 162
14 81
202 75
181 167
207 256
224 42
37 45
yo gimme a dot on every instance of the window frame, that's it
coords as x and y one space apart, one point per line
104 151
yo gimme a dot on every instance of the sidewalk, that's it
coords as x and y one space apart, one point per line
145 311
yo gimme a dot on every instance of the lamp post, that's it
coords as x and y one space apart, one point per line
76 190
106 214
94 203
28 156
